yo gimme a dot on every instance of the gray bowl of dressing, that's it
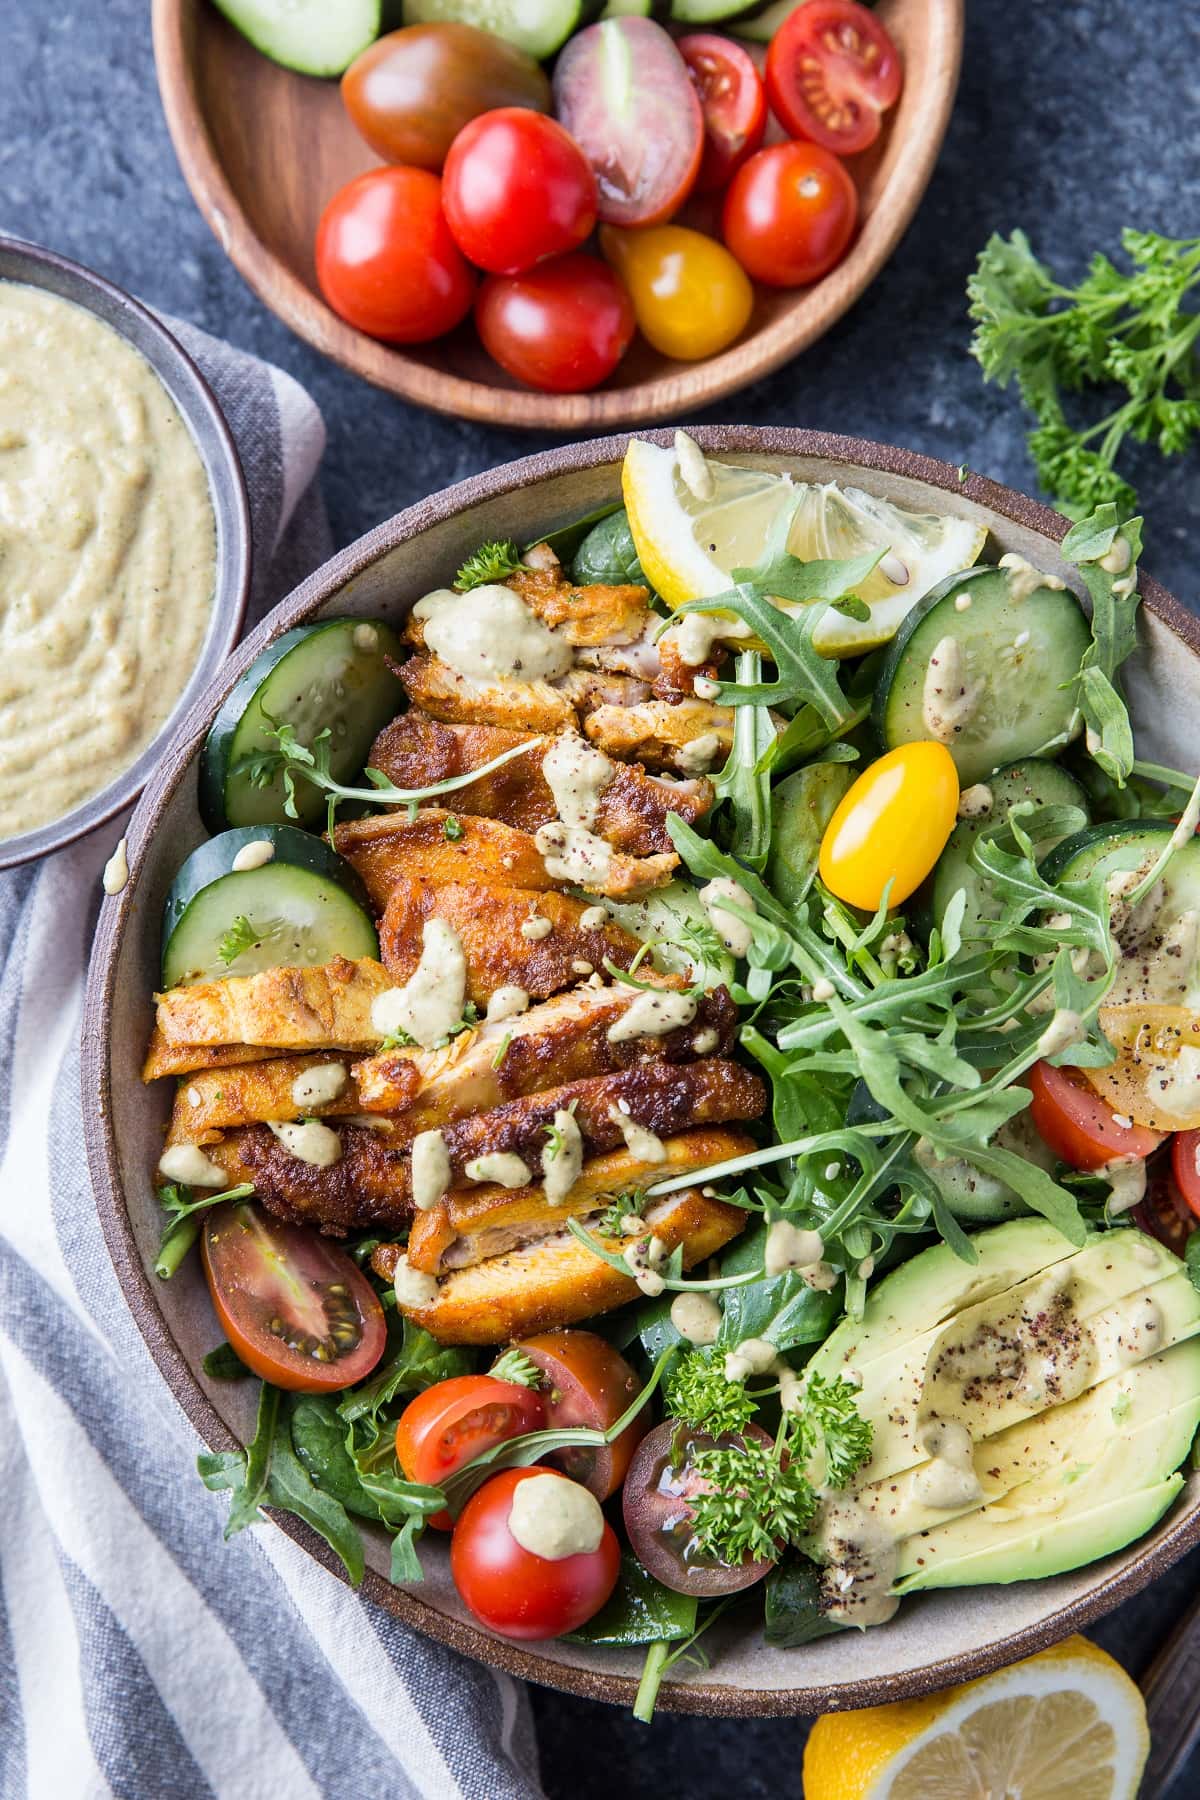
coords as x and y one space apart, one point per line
124 547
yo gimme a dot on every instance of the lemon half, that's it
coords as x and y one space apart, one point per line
690 536
1068 1724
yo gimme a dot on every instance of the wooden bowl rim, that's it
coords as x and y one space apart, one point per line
684 388
715 1700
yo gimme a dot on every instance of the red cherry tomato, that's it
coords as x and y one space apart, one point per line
1164 1213
517 189
562 327
621 89
1077 1124
732 101
295 1308
789 214
832 72
587 1383
512 1590
454 1420
1185 1166
386 260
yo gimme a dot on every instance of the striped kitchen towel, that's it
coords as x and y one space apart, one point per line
140 1655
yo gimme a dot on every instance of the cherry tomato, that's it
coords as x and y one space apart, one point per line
1164 1213
789 214
1185 1166
1077 1124
589 1383
386 261
732 101
561 327
832 72
891 825
1152 1078
622 90
517 190
454 1420
659 1519
410 93
513 1590
691 298
295 1308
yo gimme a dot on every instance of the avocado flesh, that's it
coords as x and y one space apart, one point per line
1073 1453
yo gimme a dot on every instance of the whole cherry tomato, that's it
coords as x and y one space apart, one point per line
1077 1124
410 93
832 72
587 1382
891 825
521 1592
1185 1166
517 190
563 326
732 101
454 1420
386 260
789 214
690 296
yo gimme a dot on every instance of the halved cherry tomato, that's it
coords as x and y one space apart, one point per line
789 214
514 1591
588 1383
1077 1124
891 825
622 90
659 1519
454 1420
295 1308
562 326
1164 1213
832 72
517 189
410 93
732 101
1185 1166
691 297
386 261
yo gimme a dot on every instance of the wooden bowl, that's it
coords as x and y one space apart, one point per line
263 150
937 1638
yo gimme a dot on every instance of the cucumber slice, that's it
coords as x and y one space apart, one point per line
301 908
710 12
801 808
333 675
314 37
667 913
760 27
1019 651
1044 784
539 27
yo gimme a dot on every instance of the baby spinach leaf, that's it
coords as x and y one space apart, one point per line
224 1364
793 1612
290 1489
640 1610
608 556
783 1309
319 1440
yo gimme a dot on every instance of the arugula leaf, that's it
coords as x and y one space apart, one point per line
417 1362
1096 541
183 1224
804 676
249 1493
290 1489
743 785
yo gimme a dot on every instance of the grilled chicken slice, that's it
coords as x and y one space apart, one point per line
164 1058
220 1099
350 1194
496 926
471 1224
588 687
583 616
557 1281
415 751
664 735
516 705
562 1040
327 1007
391 848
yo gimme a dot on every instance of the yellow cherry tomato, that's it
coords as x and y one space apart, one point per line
690 296
892 825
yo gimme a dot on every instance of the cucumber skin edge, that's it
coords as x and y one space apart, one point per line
907 626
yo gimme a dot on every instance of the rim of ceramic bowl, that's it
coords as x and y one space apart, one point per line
32 265
713 1699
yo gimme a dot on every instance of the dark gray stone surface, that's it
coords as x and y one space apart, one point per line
1075 117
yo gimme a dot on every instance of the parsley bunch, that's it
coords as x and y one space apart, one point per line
1116 329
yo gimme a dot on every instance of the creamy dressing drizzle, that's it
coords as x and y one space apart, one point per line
1126 1177
948 699
188 1163
506 1003
562 1159
790 1247
553 1517
412 1287
577 775
430 1169
1024 579
572 853
116 870
948 1480
654 1013
489 633
736 934
1065 1028
310 1142
593 917
319 1086
253 856
697 1317
430 1004
975 802
642 1259
639 1142
698 756
501 1166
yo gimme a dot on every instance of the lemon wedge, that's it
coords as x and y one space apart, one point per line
694 519
1068 1721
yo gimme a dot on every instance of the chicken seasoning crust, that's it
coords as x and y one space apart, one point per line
649 991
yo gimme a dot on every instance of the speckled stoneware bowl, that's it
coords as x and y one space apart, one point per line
35 267
937 1638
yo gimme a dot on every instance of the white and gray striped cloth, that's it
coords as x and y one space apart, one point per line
140 1655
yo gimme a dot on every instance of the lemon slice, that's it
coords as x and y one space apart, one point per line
1066 1722
694 520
